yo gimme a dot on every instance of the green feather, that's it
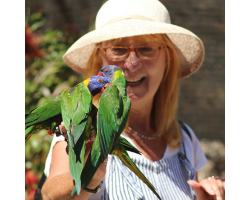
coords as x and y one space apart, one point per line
76 106
112 118
45 116
81 106
48 124
49 109
120 152
128 146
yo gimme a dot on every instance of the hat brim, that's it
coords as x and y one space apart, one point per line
189 47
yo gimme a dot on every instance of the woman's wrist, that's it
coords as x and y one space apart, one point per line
93 184
95 190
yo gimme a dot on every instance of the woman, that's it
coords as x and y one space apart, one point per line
137 36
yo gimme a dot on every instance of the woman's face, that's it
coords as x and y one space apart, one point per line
143 77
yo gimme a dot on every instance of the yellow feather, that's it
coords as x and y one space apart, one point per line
86 82
117 74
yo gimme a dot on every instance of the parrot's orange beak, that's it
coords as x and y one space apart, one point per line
108 84
102 90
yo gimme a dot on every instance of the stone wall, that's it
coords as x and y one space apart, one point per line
202 96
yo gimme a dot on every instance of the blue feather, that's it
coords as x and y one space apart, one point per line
96 83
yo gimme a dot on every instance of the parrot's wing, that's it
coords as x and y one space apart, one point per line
76 106
120 152
81 107
66 108
46 116
92 164
49 109
108 119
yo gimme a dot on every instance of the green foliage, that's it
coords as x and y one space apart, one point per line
36 21
45 77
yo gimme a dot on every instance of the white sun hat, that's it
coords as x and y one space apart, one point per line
126 18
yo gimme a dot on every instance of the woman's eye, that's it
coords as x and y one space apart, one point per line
117 50
145 49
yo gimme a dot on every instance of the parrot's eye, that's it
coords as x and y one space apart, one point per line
99 80
105 69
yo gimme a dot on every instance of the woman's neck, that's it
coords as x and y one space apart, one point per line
140 118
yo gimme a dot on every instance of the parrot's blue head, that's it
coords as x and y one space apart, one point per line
109 71
97 84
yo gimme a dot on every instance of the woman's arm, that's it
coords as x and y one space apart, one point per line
60 184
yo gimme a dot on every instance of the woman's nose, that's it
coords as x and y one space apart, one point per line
132 63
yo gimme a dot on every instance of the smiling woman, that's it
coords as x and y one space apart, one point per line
156 80
154 55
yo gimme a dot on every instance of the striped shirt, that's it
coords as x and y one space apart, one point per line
169 175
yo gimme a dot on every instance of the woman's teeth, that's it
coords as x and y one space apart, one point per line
134 81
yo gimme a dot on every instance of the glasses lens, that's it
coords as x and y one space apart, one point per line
117 53
147 52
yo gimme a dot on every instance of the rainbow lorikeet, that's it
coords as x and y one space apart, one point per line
112 116
49 115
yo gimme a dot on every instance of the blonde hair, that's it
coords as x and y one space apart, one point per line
163 113
94 63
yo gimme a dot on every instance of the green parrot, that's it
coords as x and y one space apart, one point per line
112 116
48 115
73 107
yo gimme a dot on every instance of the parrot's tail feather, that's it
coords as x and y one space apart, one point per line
121 153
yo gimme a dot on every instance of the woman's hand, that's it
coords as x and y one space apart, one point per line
209 189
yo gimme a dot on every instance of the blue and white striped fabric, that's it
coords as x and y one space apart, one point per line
169 176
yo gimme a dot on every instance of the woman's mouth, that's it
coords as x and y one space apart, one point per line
134 81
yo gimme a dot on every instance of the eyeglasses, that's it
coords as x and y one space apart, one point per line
118 53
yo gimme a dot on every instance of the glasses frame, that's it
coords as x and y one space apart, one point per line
133 49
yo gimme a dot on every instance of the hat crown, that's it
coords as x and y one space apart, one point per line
152 10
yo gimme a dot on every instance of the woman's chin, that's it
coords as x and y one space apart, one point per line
136 92
135 97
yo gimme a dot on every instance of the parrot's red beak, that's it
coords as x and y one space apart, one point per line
99 74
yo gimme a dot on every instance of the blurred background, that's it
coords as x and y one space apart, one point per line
51 27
